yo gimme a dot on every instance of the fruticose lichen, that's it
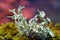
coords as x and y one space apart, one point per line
31 28
21 29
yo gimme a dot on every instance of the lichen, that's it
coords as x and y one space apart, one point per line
31 28
22 29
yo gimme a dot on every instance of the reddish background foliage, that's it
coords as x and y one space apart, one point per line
51 7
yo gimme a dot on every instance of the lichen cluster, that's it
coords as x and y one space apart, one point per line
31 28
22 29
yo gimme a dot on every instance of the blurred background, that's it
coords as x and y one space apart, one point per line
50 7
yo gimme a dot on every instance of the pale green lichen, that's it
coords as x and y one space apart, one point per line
32 26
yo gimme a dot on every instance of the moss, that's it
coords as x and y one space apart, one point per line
56 29
7 30
10 30
57 25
